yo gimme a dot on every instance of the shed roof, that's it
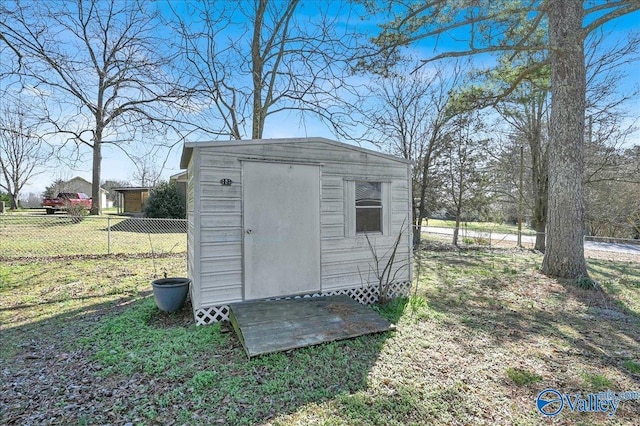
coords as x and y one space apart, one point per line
188 147
132 189
182 176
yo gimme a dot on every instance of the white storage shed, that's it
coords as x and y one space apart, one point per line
275 218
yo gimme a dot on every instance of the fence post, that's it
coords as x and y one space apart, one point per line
108 235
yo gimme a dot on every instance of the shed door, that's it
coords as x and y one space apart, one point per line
281 204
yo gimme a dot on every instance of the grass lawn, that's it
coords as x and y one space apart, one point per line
501 228
482 335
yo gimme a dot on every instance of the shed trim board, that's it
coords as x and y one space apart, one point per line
277 161
217 215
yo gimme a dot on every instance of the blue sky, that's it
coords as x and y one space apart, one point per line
116 165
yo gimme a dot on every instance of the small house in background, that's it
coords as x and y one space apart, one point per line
293 217
78 184
131 199
180 181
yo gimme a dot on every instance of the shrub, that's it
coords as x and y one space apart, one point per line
588 283
77 212
482 241
165 202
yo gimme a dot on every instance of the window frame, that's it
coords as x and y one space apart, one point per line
369 207
350 206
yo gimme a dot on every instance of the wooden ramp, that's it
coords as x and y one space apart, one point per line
267 326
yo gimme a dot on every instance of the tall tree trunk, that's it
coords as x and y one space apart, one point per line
257 64
14 201
422 207
540 226
417 222
456 230
96 204
564 255
424 185
541 196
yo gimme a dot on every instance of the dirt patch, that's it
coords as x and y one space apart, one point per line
340 309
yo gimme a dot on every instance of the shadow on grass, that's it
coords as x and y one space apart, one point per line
137 364
150 226
51 302
524 308
46 221
448 404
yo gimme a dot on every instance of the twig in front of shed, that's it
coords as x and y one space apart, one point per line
414 301
390 270
153 258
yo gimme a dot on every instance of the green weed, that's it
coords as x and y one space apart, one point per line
127 343
588 283
596 381
522 377
632 366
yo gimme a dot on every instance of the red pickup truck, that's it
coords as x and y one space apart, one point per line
66 199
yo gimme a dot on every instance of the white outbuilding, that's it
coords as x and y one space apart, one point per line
275 218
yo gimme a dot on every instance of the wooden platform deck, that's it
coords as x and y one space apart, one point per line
268 326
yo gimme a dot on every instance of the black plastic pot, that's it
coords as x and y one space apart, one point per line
170 293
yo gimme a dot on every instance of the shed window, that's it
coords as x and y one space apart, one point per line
368 207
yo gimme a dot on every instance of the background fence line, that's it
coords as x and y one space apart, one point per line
492 238
64 235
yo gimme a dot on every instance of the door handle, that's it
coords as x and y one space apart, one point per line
249 231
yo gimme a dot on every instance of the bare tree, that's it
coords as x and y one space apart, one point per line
112 195
407 114
147 172
31 200
465 178
21 151
101 65
247 61
609 123
612 208
509 27
58 185
526 110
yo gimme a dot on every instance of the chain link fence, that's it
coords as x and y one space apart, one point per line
499 238
478 236
66 235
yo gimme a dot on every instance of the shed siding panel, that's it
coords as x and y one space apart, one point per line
215 250
223 263
192 254
220 213
221 229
